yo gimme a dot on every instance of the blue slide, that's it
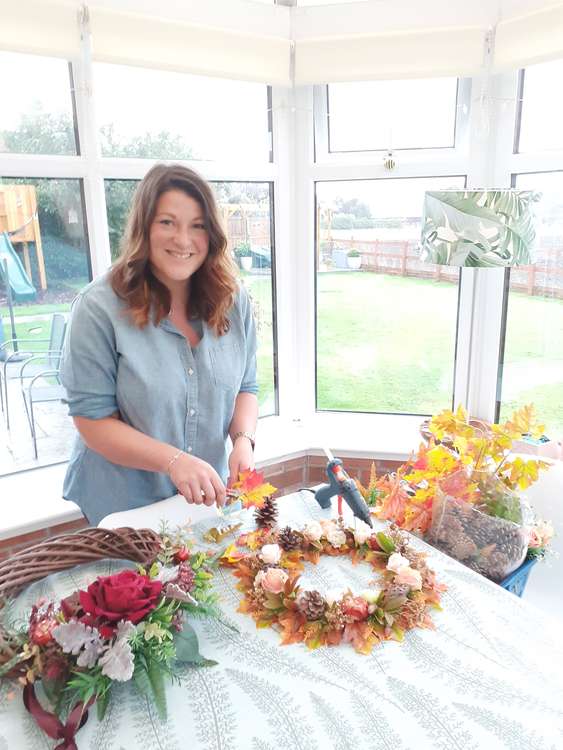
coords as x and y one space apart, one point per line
22 289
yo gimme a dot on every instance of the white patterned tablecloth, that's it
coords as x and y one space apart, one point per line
489 676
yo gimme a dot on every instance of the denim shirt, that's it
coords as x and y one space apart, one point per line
160 385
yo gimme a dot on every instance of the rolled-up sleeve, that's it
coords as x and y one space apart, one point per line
249 381
89 362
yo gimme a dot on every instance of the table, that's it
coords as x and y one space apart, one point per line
488 677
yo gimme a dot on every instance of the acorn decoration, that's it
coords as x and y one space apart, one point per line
267 515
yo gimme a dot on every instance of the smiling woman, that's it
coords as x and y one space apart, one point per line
146 342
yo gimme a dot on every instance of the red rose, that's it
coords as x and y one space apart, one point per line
123 596
355 607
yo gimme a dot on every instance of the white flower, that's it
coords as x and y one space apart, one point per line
396 562
336 537
125 629
313 531
271 554
89 655
72 636
173 591
117 662
166 574
371 595
362 532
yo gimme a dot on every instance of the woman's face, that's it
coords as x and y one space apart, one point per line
178 239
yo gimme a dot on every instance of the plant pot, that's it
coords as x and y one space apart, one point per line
354 262
246 262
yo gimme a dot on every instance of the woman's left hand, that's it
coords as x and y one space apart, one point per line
241 459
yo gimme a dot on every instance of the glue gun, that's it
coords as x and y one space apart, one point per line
341 484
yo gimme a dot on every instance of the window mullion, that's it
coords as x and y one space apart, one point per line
94 194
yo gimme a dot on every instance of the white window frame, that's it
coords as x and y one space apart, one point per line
485 160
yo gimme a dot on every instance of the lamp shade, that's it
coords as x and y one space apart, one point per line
478 228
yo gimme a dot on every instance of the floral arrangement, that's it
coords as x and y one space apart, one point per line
463 492
130 625
456 443
269 578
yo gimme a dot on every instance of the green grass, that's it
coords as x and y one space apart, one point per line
386 343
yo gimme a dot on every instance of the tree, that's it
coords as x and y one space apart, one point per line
354 206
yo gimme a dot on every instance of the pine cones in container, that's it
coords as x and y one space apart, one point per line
289 539
267 515
311 604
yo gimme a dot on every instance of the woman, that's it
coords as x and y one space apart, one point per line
160 359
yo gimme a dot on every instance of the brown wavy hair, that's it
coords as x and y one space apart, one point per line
213 285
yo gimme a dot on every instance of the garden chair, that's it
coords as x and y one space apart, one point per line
36 391
49 352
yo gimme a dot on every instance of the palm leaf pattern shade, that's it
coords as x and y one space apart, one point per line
479 228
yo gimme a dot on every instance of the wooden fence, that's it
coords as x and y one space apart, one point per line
401 258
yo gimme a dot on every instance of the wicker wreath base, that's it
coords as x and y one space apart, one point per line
67 550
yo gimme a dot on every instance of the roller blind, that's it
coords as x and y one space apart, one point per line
421 54
151 42
529 38
40 27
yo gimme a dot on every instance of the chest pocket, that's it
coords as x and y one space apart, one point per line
226 364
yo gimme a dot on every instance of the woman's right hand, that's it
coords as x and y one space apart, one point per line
197 481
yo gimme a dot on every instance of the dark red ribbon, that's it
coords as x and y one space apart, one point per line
51 724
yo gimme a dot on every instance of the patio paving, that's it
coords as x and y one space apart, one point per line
55 433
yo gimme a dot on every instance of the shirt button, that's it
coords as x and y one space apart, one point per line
190 371
190 449
192 412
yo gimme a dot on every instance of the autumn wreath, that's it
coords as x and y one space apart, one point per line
398 600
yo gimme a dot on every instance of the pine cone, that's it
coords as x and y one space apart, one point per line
311 604
289 539
267 515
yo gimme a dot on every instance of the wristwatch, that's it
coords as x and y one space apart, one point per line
248 435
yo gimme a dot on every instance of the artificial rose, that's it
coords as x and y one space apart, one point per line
541 534
396 562
313 531
326 525
336 537
270 554
409 577
355 607
271 580
362 532
371 595
123 596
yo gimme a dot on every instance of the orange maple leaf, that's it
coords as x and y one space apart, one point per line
252 488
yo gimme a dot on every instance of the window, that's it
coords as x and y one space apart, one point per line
383 115
36 116
47 249
386 323
247 212
531 369
540 121
167 115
